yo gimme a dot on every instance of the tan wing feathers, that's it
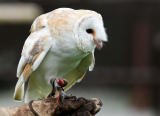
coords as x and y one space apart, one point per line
36 44
27 70
34 51
28 67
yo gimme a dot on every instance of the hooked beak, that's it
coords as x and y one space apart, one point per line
99 38
98 43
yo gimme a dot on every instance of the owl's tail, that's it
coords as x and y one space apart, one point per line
19 89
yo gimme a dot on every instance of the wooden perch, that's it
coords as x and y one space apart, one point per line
50 107
67 105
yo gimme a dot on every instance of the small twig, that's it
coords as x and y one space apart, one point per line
31 108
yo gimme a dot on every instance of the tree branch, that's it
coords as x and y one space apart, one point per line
50 107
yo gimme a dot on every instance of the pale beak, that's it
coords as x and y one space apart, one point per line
98 43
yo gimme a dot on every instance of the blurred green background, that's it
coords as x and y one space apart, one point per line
127 72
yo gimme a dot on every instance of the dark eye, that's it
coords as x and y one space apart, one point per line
90 31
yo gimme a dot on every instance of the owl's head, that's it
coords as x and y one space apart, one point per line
84 28
89 31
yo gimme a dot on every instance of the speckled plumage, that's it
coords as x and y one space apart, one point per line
60 47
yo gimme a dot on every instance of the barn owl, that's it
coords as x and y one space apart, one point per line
61 45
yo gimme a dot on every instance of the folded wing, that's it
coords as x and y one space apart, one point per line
78 73
34 50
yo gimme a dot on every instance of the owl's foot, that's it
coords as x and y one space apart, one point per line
58 85
61 94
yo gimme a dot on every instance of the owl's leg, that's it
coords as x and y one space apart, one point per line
58 85
62 95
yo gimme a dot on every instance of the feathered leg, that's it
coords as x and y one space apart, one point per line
58 85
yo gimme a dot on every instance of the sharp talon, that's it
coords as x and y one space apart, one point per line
50 95
65 82
70 97
31 108
52 81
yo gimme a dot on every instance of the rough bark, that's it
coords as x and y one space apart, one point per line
50 107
